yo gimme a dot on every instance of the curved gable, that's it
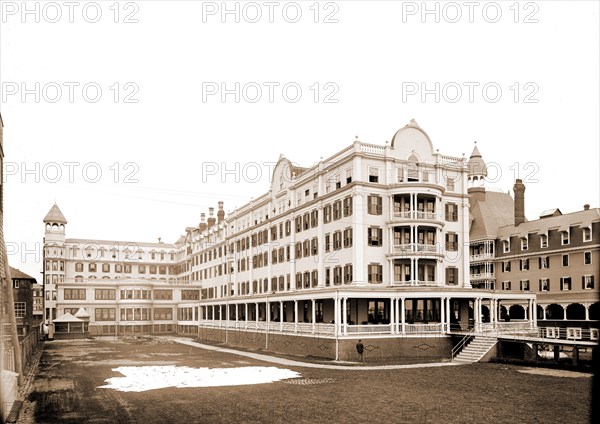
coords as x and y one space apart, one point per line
411 140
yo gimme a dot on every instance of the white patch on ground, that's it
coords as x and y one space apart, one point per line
139 379
555 373
550 355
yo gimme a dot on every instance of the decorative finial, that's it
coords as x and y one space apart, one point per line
386 142
475 141
356 137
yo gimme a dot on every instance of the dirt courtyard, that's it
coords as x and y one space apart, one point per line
66 389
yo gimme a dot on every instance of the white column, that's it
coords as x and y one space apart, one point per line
256 312
296 316
392 315
543 312
403 315
448 314
564 312
587 311
345 315
313 315
442 313
280 315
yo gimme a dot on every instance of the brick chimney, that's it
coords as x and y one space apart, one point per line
202 225
519 190
586 207
220 213
211 217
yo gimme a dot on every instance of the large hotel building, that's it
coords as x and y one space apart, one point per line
372 242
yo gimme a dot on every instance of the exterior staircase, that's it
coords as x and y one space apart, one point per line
476 349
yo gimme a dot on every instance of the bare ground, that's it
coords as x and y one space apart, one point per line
65 390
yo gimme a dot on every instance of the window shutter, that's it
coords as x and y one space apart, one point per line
583 282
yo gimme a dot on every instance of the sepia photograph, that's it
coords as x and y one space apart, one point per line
299 211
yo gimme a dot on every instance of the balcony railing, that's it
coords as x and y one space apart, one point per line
416 283
417 247
412 214
482 276
481 257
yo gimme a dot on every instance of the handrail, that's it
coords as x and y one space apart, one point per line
459 346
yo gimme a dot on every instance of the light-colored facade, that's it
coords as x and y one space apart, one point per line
371 242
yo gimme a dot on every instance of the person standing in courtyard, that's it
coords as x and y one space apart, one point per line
360 348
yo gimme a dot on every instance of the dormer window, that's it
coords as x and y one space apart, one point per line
565 237
506 246
543 240
525 243
587 233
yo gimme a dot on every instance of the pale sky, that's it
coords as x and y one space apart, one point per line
145 156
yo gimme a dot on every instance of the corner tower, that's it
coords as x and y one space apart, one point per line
477 170
54 260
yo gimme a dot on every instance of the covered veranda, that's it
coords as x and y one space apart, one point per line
364 311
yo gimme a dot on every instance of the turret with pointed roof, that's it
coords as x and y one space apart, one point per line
55 216
477 169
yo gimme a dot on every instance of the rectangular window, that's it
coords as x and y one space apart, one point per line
506 246
375 273
524 264
104 294
314 218
373 175
450 184
375 205
74 294
337 275
587 234
92 267
524 243
587 282
451 212
348 176
524 285
306 221
298 224
337 240
544 284
452 242
348 206
327 277
314 246
327 242
587 258
451 276
337 210
20 309
565 283
288 228
506 285
543 240
78 267
565 237
327 214
105 314
374 236
544 262
306 248
505 266
298 250
163 294
163 313
347 274
348 237
565 260
105 267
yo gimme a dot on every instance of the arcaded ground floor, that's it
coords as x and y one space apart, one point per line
66 389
